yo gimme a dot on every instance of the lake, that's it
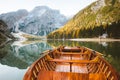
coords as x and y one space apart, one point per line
15 59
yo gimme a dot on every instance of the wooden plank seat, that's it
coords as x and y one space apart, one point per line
73 53
71 49
72 61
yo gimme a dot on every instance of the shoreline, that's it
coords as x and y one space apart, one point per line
95 39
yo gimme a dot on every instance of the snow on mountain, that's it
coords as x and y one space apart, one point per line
12 17
41 21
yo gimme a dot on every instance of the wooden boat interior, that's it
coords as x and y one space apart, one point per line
71 63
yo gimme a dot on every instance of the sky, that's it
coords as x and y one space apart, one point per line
66 7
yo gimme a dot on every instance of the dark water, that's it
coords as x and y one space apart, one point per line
15 59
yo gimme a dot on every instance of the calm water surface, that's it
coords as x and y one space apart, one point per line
15 59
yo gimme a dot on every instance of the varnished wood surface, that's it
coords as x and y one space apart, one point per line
53 75
97 76
73 53
72 61
66 63
71 49
76 68
71 57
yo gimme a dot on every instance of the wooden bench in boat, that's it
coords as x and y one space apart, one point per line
72 61
53 75
69 49
69 53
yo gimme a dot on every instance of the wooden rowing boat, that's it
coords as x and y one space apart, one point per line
71 63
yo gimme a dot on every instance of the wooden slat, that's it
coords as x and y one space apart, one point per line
73 53
72 61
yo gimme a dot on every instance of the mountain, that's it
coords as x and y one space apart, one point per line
41 21
12 17
4 32
100 19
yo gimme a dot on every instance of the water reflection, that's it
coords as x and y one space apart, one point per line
105 44
21 57
14 59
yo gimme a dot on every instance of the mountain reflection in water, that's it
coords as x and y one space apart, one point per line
18 58
21 57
